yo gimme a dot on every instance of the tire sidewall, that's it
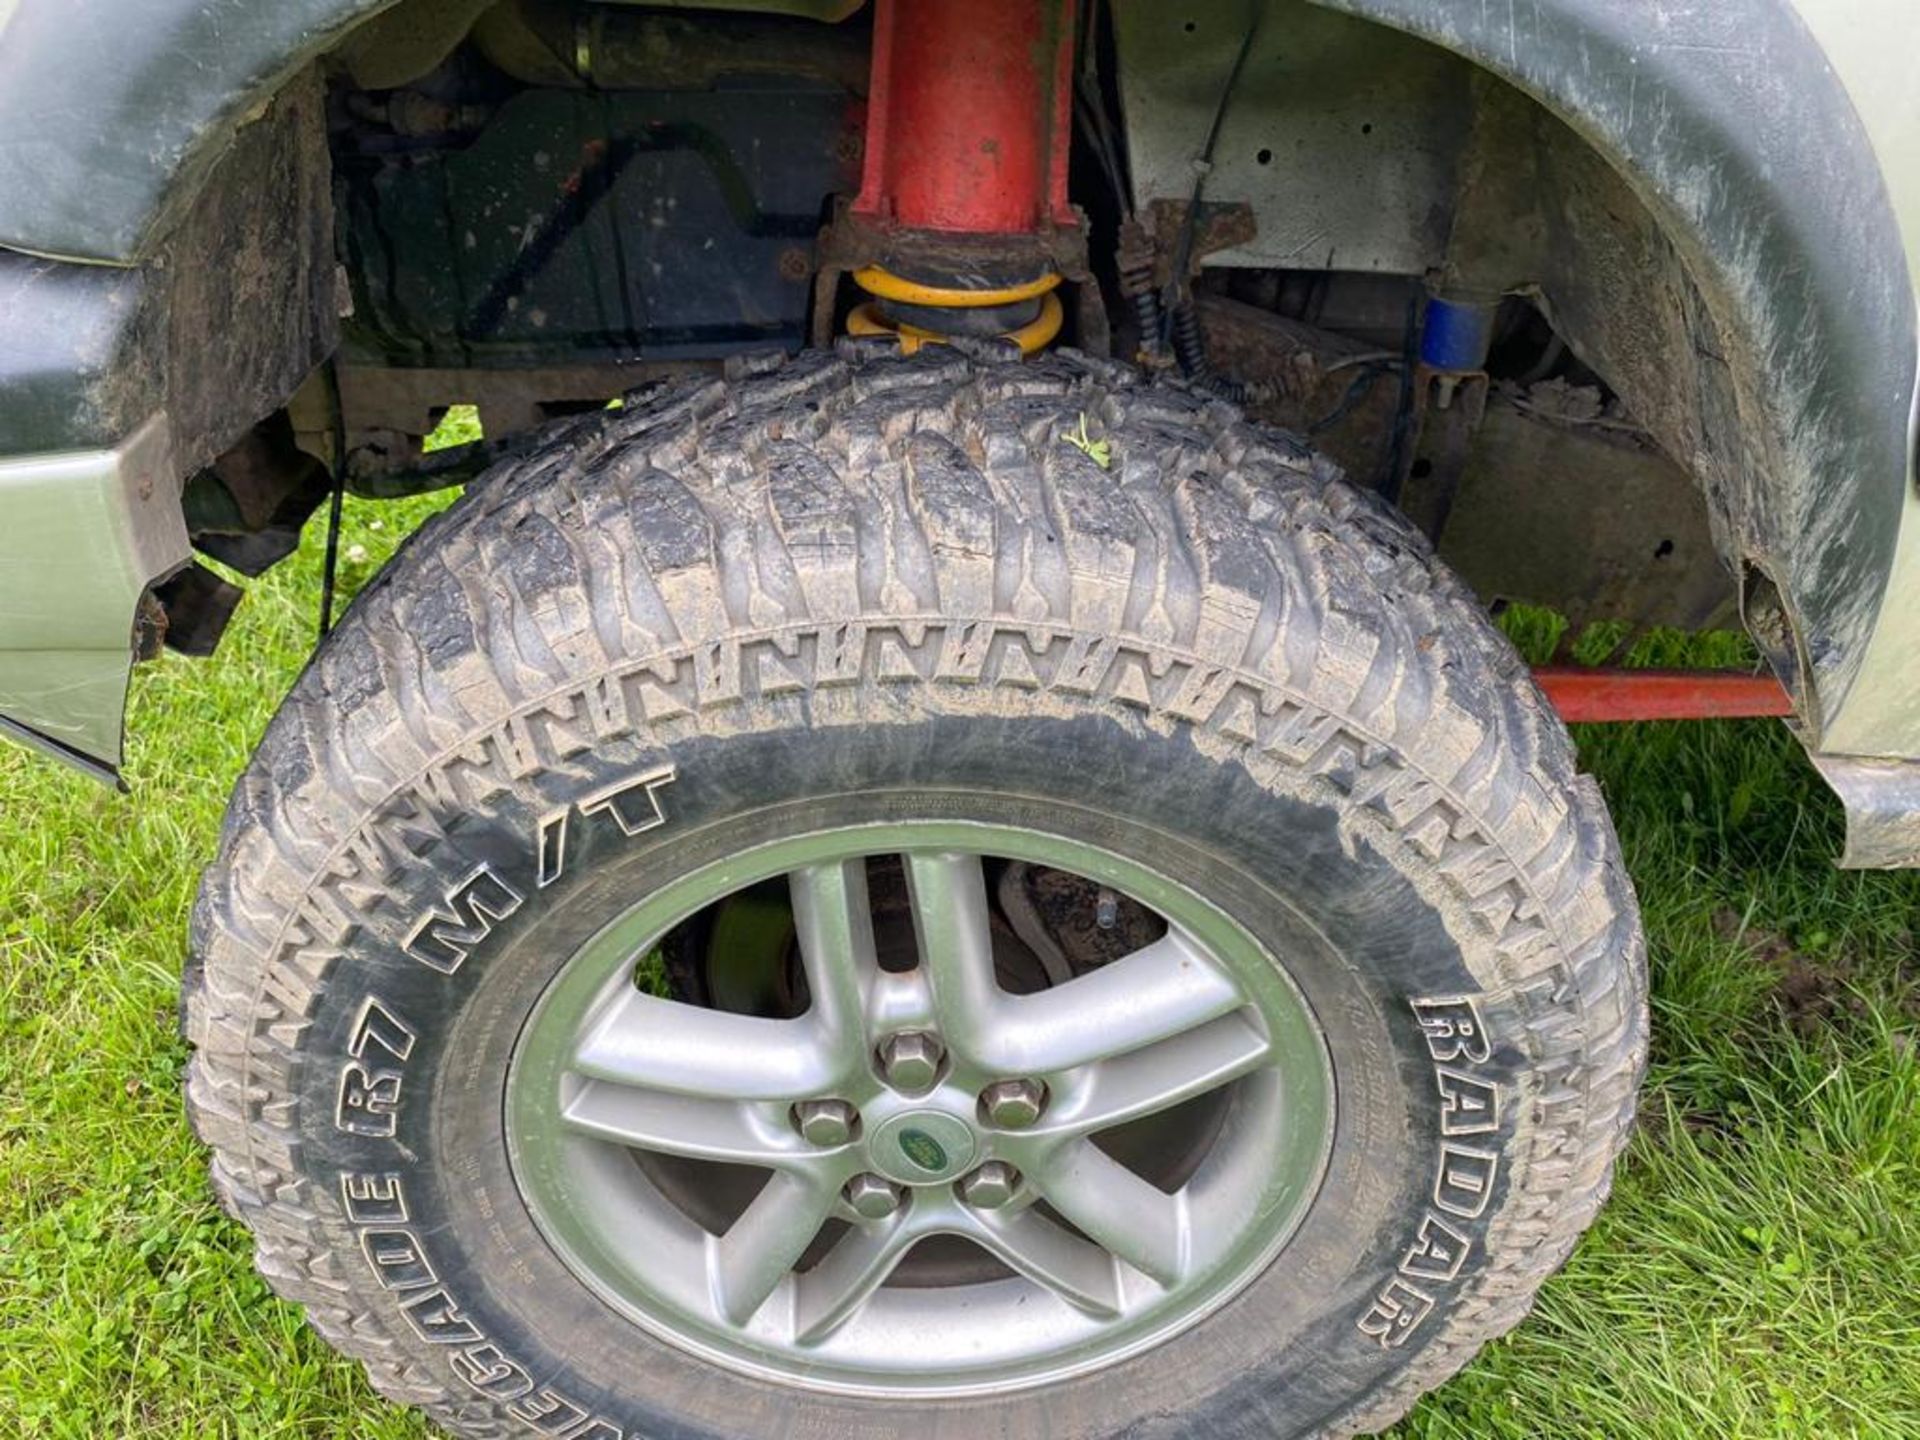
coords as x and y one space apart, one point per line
1412 998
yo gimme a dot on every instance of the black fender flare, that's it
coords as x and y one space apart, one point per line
114 112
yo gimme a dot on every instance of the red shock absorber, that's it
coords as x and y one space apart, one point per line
964 187
970 115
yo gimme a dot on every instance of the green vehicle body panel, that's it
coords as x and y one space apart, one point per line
82 536
1871 44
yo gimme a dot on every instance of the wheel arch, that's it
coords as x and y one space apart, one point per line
1723 116
1729 124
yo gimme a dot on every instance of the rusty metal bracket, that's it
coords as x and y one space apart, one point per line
1223 225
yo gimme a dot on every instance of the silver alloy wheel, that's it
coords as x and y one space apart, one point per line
796 1287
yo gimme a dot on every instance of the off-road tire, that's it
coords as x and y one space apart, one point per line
853 562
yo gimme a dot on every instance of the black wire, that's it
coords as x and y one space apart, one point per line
1356 392
1256 11
1190 222
1397 458
337 502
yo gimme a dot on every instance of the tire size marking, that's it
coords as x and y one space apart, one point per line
1463 1182
368 1102
372 1085
446 935
635 814
376 1206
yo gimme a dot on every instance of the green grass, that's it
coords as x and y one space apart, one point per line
1758 1273
459 426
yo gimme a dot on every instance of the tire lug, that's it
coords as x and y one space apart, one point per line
826 1123
872 1198
1013 1104
990 1187
911 1061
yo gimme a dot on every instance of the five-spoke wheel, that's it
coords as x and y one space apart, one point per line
1035 1182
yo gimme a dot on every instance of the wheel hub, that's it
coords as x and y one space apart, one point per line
923 1147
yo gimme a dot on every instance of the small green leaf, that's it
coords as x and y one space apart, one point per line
1098 451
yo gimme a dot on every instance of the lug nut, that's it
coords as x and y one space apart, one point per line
912 1062
871 1197
991 1186
826 1123
1013 1104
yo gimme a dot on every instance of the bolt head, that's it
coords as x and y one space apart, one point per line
795 264
912 1062
871 1197
991 1186
826 1123
1013 1104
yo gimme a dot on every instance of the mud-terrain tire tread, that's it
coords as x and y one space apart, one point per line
701 510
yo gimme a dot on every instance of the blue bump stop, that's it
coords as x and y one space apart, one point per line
1457 336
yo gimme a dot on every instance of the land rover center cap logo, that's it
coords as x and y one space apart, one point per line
924 1147
923 1150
